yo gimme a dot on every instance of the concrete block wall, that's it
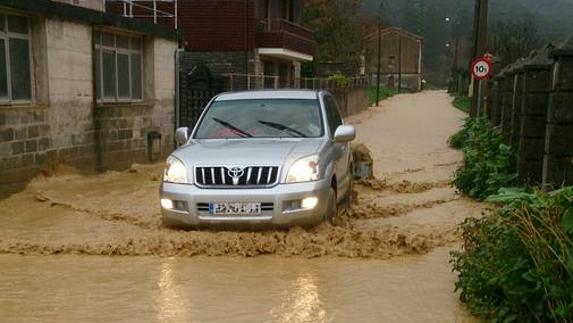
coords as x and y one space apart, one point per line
61 125
533 116
123 128
496 102
507 87
516 108
558 161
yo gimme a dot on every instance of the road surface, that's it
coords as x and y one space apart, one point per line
90 248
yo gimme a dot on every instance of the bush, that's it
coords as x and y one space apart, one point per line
463 103
385 92
488 164
517 261
458 139
340 80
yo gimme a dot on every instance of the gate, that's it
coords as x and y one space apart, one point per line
197 87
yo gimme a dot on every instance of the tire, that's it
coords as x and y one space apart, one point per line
348 199
331 208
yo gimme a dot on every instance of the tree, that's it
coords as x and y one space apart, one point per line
336 27
513 39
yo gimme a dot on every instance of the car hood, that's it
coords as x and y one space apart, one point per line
247 152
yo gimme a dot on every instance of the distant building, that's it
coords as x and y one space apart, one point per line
241 36
401 58
82 88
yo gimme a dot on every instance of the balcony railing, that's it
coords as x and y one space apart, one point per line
281 33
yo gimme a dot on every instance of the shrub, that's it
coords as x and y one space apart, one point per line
458 139
340 80
517 261
488 164
385 92
463 103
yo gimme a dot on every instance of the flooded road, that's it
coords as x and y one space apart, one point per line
385 260
202 289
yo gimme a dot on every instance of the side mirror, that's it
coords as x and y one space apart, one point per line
182 135
344 133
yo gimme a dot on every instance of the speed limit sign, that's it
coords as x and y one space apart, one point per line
482 68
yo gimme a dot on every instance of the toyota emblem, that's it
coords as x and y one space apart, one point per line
235 173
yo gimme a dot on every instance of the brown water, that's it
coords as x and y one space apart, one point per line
60 223
200 289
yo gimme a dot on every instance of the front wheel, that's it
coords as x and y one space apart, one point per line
331 207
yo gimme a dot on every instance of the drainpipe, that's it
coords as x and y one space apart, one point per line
95 114
178 52
246 37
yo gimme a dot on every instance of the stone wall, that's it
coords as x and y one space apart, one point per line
61 125
558 162
507 87
537 80
351 100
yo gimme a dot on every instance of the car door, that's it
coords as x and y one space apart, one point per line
342 150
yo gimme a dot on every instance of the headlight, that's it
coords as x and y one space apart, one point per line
304 170
175 171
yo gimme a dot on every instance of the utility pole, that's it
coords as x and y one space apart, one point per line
480 45
399 63
379 62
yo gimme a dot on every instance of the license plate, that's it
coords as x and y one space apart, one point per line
235 208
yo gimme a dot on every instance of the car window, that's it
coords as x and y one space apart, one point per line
334 119
262 118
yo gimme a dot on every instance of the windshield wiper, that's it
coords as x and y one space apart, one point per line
243 133
282 127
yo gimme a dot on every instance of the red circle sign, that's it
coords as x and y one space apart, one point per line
482 68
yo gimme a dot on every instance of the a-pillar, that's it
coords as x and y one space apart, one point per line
558 161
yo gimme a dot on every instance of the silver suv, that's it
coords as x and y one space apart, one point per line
278 158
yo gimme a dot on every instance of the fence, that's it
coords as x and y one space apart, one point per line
247 82
531 101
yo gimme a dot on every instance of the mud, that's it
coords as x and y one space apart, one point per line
116 213
360 270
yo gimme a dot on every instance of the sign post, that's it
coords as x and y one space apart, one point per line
482 68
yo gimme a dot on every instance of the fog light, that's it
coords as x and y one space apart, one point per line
167 204
309 203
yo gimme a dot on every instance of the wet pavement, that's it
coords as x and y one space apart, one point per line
91 248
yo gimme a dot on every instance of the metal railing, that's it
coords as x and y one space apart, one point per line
277 24
247 82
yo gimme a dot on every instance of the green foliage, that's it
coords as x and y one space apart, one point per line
488 164
336 31
463 103
517 261
340 80
458 139
385 92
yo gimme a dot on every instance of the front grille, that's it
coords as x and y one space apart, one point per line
248 176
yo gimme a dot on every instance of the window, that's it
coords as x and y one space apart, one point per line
118 64
15 70
261 118
334 119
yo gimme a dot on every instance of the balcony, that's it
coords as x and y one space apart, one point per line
284 39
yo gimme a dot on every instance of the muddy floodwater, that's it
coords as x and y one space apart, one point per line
201 289
91 248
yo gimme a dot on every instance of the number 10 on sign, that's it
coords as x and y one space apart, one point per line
481 70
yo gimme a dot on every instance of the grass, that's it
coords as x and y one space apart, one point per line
462 103
385 92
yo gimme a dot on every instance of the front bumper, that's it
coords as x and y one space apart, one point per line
191 198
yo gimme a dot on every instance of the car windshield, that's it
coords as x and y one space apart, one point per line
261 118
